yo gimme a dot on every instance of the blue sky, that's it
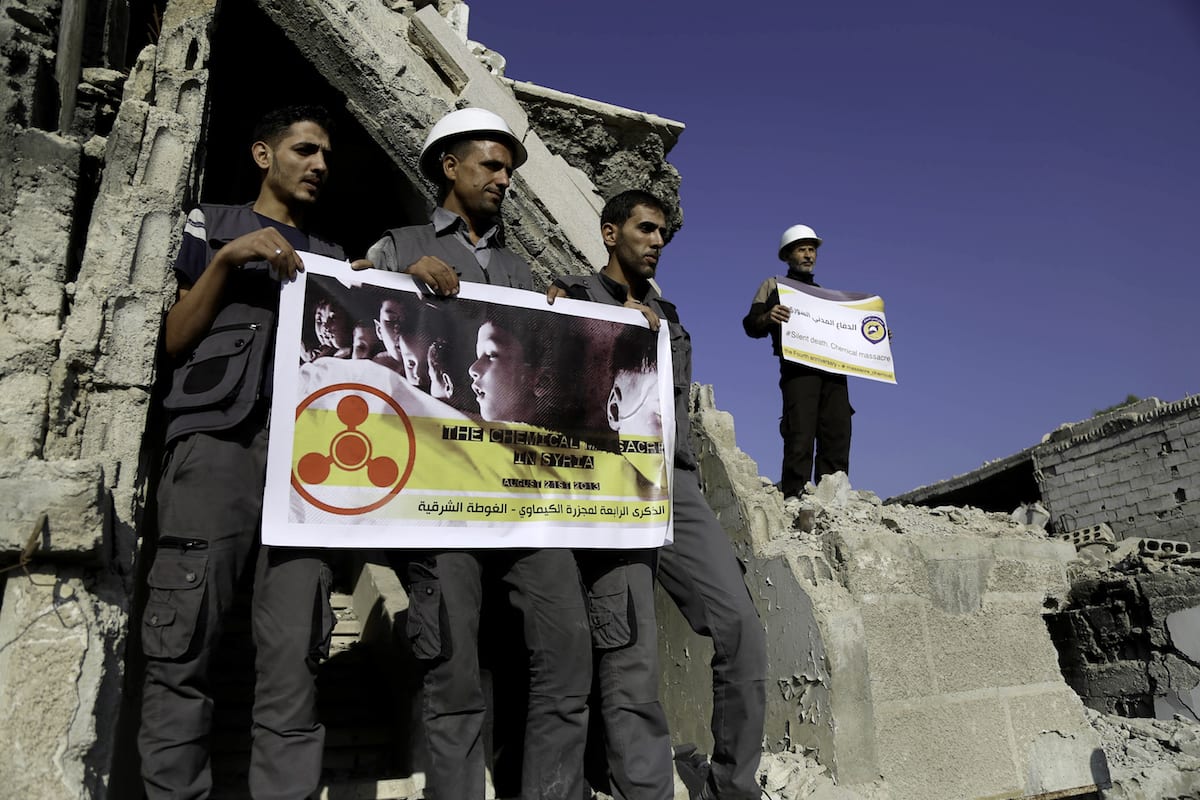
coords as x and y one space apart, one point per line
1018 180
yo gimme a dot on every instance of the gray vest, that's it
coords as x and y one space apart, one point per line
592 287
223 378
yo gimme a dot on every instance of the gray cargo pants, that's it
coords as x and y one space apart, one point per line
701 574
210 503
445 599
620 587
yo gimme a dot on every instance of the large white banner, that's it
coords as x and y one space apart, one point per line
492 419
841 332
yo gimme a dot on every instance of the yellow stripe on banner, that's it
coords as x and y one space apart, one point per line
452 457
874 304
458 509
831 363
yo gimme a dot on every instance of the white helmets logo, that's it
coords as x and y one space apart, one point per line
794 234
455 125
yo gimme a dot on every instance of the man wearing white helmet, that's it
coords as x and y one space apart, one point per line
816 404
470 155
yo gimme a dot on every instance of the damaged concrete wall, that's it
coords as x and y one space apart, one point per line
83 289
1129 639
904 642
617 148
1133 470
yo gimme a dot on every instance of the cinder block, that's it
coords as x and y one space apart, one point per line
1055 741
1112 477
948 735
965 648
1138 432
1176 458
1024 575
1107 498
70 493
1089 535
899 648
1077 500
1153 505
1085 508
1162 548
1146 480
1130 473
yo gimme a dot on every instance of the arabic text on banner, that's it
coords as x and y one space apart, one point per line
404 420
840 332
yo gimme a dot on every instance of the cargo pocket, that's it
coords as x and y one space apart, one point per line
610 610
323 617
424 626
177 588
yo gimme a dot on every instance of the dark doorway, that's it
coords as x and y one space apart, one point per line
253 69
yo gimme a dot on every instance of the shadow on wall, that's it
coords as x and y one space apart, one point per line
366 194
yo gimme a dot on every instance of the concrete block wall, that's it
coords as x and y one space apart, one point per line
906 645
1138 472
961 668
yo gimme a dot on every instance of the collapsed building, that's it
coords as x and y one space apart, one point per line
909 647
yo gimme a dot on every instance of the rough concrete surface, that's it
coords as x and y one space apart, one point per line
61 644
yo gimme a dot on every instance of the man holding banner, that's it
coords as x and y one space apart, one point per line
470 155
219 333
699 570
816 403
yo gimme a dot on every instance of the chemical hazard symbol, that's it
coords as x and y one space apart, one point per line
354 449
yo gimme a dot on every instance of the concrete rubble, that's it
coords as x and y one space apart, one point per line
909 650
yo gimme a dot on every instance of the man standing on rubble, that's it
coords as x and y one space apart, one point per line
816 404
699 570
470 155
221 333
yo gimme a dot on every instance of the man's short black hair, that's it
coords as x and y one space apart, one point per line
620 208
274 124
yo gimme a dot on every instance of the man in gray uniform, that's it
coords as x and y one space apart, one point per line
221 333
470 154
699 570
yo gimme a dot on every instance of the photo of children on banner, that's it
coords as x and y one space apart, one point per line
494 418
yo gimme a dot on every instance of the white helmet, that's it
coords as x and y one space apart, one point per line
794 234
464 121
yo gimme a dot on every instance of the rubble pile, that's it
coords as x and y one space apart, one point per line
1149 759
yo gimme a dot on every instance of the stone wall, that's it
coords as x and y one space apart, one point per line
1138 472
